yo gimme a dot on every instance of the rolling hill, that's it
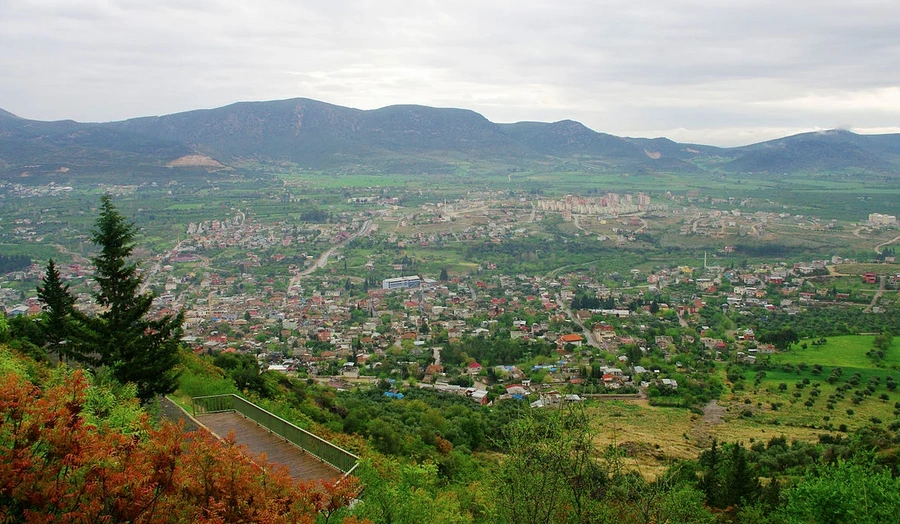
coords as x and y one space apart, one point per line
301 133
832 151
33 151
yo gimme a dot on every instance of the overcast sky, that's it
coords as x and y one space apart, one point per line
723 72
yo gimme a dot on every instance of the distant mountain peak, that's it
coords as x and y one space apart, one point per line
568 123
401 139
837 131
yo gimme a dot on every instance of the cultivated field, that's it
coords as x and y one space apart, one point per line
760 408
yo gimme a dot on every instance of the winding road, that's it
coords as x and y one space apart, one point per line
877 248
323 258
881 245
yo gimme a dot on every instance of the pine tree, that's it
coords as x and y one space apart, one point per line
136 349
711 483
741 484
59 306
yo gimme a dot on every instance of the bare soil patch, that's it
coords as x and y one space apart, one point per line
195 161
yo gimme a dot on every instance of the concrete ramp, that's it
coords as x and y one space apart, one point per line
278 450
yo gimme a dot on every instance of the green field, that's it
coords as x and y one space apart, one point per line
38 253
186 206
771 405
860 269
849 352
761 410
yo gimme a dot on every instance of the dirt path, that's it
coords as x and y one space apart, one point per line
878 294
833 272
712 416
713 413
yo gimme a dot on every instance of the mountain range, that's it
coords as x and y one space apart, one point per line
300 133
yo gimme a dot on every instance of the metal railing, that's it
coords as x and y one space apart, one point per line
340 458
213 404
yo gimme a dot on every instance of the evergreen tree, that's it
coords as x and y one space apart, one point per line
59 306
135 348
741 483
770 495
711 483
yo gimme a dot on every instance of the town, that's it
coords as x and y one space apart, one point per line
360 297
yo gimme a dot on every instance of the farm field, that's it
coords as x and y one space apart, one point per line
756 410
798 389
652 437
860 269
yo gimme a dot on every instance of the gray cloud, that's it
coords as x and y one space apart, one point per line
721 72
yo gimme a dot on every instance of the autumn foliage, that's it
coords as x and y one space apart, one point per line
56 466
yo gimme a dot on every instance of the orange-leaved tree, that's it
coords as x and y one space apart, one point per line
56 466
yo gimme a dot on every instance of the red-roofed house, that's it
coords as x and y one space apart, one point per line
571 338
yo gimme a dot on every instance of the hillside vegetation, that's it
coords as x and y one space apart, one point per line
77 447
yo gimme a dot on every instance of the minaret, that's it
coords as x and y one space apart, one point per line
421 302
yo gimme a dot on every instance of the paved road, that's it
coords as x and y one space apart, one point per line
881 245
171 411
588 334
323 258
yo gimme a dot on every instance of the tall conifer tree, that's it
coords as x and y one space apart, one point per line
135 348
58 305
